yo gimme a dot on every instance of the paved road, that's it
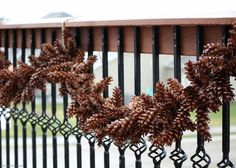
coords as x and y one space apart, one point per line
189 145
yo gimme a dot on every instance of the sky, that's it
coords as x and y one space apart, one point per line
35 9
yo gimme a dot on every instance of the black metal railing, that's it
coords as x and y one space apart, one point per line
47 126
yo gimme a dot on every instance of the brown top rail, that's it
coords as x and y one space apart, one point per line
212 32
82 22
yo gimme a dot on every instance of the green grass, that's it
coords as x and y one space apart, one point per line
216 120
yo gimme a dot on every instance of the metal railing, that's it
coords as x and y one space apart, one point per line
154 36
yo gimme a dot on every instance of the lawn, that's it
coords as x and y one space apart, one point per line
216 119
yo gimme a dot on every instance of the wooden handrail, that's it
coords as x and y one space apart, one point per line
212 32
78 22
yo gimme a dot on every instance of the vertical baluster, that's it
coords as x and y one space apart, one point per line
43 119
1 111
14 45
44 105
54 123
155 55
177 53
66 137
90 43
178 155
104 57
24 119
200 158
139 148
32 42
44 97
120 50
44 136
77 37
77 131
122 155
15 118
1 136
54 109
33 117
54 146
23 44
199 41
7 114
90 137
78 135
79 151
66 131
156 153
107 142
24 113
6 43
66 147
33 120
225 117
7 117
137 67
91 140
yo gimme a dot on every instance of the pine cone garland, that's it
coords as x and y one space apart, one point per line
163 117
4 64
203 122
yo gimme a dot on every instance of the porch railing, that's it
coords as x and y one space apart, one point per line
31 136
